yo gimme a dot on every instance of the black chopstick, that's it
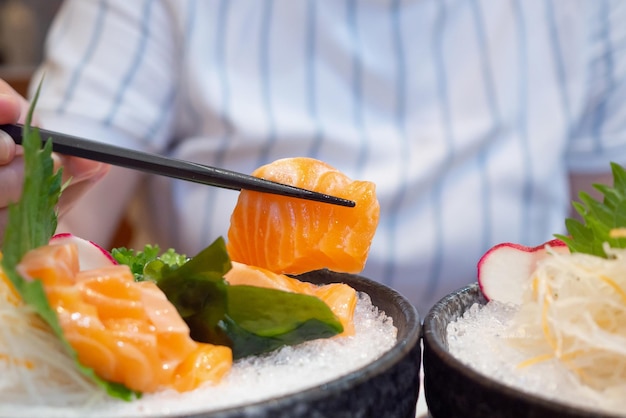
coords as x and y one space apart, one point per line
170 167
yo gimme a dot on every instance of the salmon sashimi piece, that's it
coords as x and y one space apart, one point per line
54 265
243 274
112 291
126 331
171 331
207 363
294 236
340 298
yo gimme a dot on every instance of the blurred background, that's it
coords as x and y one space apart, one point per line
23 26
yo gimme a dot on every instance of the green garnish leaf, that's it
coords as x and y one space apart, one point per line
251 320
197 284
33 220
599 218
148 261
260 320
31 223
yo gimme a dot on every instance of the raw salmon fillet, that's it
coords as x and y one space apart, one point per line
127 331
340 298
294 236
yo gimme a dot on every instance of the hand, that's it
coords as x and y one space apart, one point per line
83 173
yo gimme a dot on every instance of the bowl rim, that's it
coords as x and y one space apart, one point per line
347 381
433 344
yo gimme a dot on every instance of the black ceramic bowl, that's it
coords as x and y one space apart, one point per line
453 390
387 387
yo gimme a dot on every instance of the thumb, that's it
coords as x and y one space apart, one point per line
78 170
7 148
82 174
13 107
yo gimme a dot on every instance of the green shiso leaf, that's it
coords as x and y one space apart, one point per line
251 320
259 320
599 218
31 223
32 220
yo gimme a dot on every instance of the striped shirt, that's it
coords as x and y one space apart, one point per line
467 114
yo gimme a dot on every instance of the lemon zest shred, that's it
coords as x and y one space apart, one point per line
17 361
617 233
545 326
577 311
534 360
534 285
614 285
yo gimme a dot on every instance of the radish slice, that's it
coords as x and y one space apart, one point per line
505 269
90 255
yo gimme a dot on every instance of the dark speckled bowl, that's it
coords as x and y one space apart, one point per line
453 390
388 387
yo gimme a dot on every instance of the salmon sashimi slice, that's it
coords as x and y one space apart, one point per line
207 363
53 265
294 236
112 290
171 331
243 274
340 298
126 331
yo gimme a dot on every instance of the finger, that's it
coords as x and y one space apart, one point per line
12 106
80 185
11 178
7 148
79 169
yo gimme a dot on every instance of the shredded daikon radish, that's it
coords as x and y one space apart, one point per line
574 310
34 367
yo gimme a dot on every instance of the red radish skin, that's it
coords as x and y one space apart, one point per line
504 270
90 255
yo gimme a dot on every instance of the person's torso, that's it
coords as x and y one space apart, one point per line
459 111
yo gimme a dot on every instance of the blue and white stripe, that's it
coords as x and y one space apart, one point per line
467 114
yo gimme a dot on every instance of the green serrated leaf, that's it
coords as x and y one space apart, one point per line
259 320
595 210
599 217
619 176
612 197
619 216
147 264
31 223
580 209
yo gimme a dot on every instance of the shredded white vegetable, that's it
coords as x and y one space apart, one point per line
574 310
35 368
